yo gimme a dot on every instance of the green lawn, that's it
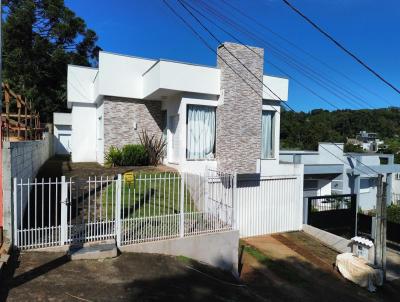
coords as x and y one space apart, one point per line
149 194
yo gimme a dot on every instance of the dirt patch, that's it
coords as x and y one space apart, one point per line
129 277
296 267
305 252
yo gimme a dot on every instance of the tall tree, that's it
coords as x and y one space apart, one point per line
40 38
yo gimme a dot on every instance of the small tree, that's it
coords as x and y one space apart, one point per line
154 146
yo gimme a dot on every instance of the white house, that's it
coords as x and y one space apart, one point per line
223 117
331 171
199 109
396 188
62 133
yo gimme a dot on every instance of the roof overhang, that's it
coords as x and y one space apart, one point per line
381 169
167 77
323 169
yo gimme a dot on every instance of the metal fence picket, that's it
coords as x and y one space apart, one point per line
64 212
151 206
118 210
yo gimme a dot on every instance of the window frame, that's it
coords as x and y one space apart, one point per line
273 121
187 129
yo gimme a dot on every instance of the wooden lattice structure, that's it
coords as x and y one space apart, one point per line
19 121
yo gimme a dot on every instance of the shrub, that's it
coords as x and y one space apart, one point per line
129 155
393 213
154 147
114 156
134 155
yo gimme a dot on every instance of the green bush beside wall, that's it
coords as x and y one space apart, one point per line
129 155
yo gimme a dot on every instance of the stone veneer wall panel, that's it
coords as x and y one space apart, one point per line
120 114
238 138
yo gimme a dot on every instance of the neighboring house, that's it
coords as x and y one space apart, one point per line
369 141
208 115
396 188
62 133
330 171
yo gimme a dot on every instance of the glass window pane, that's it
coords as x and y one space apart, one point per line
267 140
200 132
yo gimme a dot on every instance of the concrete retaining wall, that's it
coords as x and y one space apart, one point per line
218 249
340 244
22 160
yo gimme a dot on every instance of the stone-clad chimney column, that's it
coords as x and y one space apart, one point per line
238 138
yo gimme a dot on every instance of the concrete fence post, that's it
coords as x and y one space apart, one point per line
182 207
64 212
118 193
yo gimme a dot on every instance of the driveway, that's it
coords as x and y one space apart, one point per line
296 267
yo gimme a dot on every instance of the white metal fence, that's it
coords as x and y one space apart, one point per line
151 206
268 204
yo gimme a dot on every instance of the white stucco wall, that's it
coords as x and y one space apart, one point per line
61 130
62 126
280 87
396 184
100 132
61 118
83 138
181 77
178 106
325 186
80 85
121 75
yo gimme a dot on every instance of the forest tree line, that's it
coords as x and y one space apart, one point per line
303 131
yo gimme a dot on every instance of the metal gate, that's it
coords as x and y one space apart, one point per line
139 208
335 213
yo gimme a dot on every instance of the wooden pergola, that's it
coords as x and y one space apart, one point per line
21 124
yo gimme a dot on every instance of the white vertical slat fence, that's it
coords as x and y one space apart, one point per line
268 205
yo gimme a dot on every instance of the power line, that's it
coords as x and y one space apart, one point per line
206 43
338 44
317 77
206 29
237 59
337 71
274 65
220 42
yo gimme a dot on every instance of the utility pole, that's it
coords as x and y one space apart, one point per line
380 236
1 124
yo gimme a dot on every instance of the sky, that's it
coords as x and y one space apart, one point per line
320 75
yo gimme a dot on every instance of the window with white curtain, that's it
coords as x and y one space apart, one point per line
200 143
267 140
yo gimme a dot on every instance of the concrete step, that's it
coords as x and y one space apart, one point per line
94 250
